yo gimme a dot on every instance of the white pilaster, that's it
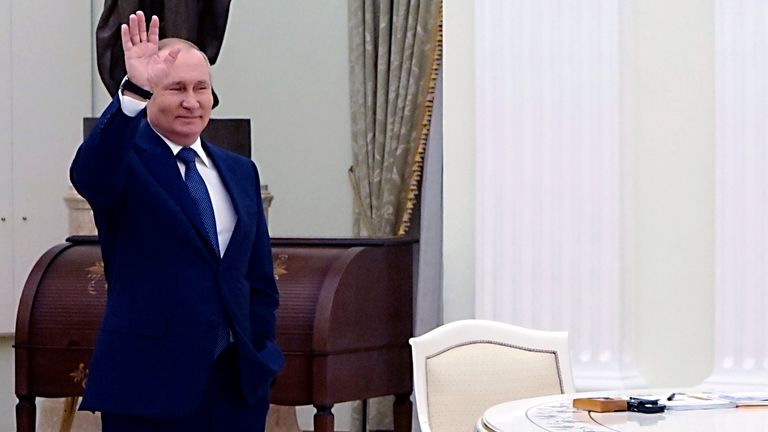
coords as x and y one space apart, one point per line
741 297
550 177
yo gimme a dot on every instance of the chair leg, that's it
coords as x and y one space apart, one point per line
25 414
402 413
323 419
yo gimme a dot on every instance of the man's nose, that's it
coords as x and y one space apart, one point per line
190 101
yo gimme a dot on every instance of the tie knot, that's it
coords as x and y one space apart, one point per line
187 155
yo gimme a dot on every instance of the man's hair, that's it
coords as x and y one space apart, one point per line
168 43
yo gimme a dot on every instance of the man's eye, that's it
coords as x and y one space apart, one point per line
175 89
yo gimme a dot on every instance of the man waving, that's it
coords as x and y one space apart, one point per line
187 339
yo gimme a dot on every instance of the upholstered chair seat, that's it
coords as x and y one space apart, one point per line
463 368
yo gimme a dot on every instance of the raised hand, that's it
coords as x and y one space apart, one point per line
160 66
141 50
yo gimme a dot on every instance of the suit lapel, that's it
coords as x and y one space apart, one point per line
228 173
158 158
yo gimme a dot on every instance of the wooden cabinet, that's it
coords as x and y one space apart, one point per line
344 321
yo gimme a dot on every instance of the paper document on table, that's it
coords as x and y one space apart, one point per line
696 401
747 398
751 403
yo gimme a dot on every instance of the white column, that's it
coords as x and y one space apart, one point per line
551 176
741 283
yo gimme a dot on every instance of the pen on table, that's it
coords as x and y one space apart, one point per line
698 396
692 396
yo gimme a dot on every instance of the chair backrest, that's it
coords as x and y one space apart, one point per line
465 367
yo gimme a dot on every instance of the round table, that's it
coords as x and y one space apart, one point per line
555 413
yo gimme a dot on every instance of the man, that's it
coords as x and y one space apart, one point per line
187 339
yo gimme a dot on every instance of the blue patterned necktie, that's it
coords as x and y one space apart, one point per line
199 193
202 199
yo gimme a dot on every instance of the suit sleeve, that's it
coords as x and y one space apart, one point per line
98 169
264 294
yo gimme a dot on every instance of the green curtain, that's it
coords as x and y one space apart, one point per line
391 51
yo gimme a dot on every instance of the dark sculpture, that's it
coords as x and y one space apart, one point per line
199 21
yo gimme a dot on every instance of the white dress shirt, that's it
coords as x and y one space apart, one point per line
222 204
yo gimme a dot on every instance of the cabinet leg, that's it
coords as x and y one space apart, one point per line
25 414
323 418
402 413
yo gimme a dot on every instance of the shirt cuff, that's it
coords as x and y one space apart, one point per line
130 106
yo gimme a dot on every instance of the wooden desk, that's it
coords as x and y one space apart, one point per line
344 321
554 413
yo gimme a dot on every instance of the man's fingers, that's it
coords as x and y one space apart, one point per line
142 21
154 30
127 45
133 28
170 59
135 33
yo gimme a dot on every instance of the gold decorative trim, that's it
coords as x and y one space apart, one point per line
417 165
280 266
80 375
95 275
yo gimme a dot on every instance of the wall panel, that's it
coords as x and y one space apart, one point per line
741 158
51 74
7 292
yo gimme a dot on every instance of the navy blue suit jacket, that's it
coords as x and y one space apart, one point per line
167 288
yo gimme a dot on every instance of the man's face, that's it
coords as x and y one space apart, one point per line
181 105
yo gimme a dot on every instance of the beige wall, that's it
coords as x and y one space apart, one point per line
671 258
458 160
285 65
45 92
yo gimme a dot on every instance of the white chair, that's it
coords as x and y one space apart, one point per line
463 368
